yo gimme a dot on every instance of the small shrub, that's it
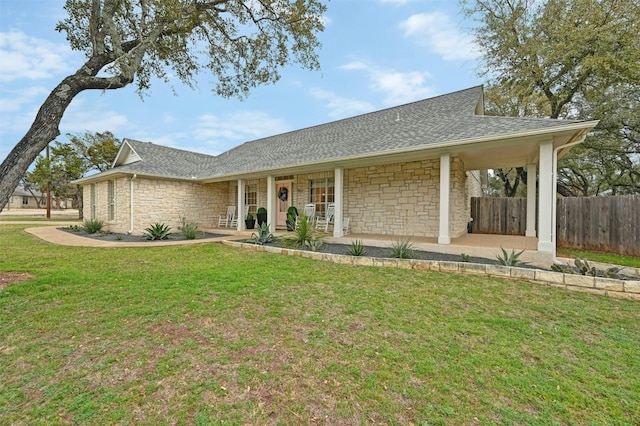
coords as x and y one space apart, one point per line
157 231
314 243
356 249
264 236
118 237
402 249
464 257
91 226
292 213
510 259
189 231
262 210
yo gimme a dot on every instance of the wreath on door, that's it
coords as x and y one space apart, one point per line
283 194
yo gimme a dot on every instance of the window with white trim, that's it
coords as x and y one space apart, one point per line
321 193
111 200
92 204
251 199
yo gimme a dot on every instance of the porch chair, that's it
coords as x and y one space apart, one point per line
322 224
227 221
310 213
345 226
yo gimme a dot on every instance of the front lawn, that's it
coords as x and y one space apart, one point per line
207 334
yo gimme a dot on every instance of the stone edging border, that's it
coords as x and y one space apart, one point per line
595 285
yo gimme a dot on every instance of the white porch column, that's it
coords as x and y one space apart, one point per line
240 209
271 203
445 184
531 201
546 198
338 201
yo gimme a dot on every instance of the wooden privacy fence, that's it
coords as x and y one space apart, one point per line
609 224
504 216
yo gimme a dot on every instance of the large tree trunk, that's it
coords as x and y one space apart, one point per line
43 130
45 126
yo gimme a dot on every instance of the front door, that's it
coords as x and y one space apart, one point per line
283 201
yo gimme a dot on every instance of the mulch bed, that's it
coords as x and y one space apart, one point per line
126 238
385 252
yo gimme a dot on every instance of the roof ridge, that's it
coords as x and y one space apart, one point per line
147 143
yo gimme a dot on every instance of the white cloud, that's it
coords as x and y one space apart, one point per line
341 107
14 100
398 87
225 131
437 32
79 118
395 2
24 57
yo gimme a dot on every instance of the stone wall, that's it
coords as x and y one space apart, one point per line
404 198
157 200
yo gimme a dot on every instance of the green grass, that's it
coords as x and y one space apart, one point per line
615 259
207 334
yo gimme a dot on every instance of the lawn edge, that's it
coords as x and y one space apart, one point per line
595 285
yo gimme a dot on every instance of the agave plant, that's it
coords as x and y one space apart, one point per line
189 230
356 249
510 259
402 249
302 234
157 231
264 236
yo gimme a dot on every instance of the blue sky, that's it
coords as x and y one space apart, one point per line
375 54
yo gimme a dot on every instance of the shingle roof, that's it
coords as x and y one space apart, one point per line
158 160
421 124
20 191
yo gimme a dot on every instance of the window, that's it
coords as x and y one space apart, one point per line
321 193
111 200
93 201
25 201
251 198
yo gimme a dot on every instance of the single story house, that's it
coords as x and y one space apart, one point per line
404 171
21 198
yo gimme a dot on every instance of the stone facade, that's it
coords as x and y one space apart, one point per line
404 198
154 201
396 199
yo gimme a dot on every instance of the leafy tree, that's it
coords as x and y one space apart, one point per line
73 160
97 150
607 163
246 43
576 59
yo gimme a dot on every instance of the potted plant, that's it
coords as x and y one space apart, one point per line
250 222
292 214
262 216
